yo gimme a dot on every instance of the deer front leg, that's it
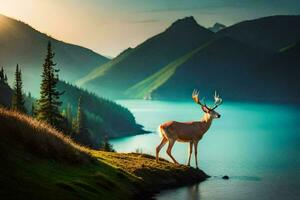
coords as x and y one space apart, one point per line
190 153
196 151
158 148
169 150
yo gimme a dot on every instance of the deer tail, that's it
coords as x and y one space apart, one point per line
159 131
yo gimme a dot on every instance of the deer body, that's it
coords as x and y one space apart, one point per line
191 132
185 131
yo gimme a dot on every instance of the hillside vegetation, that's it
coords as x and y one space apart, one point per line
102 114
38 162
104 117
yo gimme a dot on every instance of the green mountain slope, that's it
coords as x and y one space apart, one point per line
101 71
200 69
145 88
20 43
181 37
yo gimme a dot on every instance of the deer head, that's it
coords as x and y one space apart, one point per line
208 110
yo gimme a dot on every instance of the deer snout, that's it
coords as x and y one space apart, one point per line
218 116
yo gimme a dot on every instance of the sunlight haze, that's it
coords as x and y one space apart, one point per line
109 27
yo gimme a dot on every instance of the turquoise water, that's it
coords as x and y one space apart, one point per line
256 145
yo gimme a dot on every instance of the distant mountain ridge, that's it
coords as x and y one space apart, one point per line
20 43
237 60
182 36
268 33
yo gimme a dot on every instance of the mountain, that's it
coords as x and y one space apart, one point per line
248 61
268 33
230 73
137 64
217 27
20 43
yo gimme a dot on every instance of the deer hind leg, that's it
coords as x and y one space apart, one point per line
190 153
158 148
169 150
196 151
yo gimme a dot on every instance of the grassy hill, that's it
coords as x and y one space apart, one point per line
181 37
20 43
38 162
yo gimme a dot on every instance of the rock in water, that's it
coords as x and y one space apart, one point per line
225 177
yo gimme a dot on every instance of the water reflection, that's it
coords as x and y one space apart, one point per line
193 192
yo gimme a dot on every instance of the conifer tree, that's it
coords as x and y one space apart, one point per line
106 146
18 99
69 114
3 77
49 104
33 110
82 133
2 74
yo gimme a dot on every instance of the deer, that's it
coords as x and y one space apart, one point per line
189 132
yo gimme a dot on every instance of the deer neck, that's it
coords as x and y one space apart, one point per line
206 122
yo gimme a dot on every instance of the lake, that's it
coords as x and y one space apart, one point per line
256 145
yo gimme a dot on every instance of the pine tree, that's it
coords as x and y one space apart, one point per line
82 133
106 146
69 116
48 104
69 119
1 74
33 110
18 99
3 77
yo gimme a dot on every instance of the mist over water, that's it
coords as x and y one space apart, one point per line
256 145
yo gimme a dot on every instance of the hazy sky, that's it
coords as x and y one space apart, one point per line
110 26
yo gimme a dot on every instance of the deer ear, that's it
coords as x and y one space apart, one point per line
204 109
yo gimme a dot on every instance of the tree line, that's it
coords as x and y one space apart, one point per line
48 107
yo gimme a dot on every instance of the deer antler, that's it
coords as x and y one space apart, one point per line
218 100
195 96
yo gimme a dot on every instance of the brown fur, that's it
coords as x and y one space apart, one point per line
191 132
